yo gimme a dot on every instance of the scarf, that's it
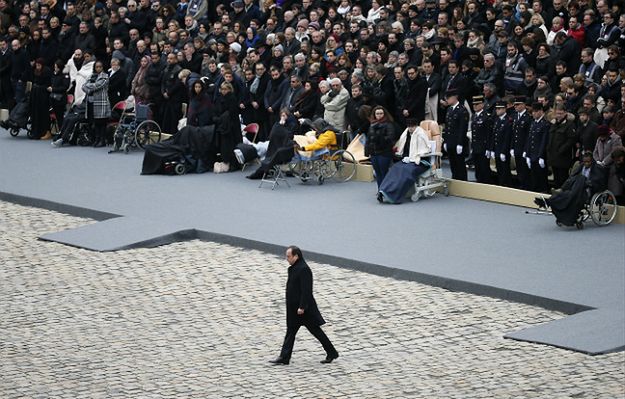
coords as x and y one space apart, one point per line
255 84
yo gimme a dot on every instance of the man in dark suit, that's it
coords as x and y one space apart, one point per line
414 103
455 135
301 308
500 147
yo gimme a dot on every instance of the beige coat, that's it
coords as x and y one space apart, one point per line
335 108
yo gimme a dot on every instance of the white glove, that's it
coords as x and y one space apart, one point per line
487 154
529 162
405 159
512 153
502 156
445 147
541 162
492 155
458 149
524 155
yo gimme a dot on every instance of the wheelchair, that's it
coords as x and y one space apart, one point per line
334 163
601 209
432 180
134 129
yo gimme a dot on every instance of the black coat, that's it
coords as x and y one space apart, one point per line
536 145
299 295
456 127
502 134
482 129
380 139
415 100
118 90
520 130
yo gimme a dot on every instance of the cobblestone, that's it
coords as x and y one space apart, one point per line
200 320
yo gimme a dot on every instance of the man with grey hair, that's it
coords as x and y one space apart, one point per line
301 67
490 73
334 102
291 44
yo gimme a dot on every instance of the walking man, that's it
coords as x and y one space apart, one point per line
301 308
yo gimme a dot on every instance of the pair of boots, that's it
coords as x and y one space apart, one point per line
99 140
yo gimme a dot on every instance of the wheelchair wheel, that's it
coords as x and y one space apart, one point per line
14 131
342 165
148 132
603 208
180 169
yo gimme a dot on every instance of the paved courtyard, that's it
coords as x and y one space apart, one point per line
201 320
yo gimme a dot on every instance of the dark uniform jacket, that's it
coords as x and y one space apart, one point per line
299 294
481 128
520 130
502 135
537 139
456 127
562 138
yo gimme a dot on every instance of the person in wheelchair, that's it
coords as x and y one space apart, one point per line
412 145
586 179
325 137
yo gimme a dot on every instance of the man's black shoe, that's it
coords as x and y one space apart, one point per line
540 202
329 358
279 361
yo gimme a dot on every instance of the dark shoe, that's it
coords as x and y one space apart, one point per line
256 175
540 202
329 358
100 143
380 198
277 361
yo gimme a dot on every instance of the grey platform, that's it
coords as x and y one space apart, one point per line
459 244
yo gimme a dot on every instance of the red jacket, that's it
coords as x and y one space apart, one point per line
577 34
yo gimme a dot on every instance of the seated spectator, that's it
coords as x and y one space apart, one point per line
412 145
279 147
325 136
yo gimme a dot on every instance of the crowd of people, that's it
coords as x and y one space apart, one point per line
534 84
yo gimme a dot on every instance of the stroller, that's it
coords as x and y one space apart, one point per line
19 118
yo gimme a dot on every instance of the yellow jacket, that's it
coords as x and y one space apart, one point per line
325 139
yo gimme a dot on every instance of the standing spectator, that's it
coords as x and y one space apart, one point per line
274 94
307 101
586 132
293 92
562 138
59 83
39 100
380 141
455 135
334 102
200 112
500 145
6 89
98 106
481 128
607 141
118 88
80 68
415 99
589 69
139 87
20 68
173 92
568 51
228 125
535 149
515 70
433 80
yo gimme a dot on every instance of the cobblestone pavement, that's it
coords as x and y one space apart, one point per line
201 320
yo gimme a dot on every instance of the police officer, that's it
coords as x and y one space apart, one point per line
455 135
500 148
520 129
535 149
481 129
